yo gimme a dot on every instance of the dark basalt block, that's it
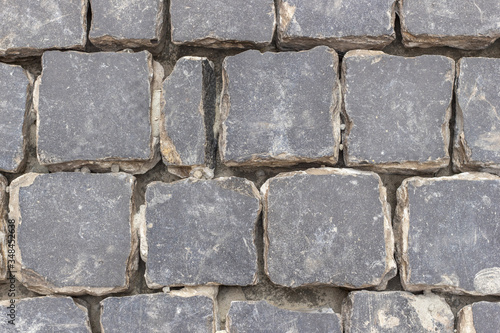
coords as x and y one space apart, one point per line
480 317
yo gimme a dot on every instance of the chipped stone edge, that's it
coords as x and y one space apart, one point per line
465 321
3 229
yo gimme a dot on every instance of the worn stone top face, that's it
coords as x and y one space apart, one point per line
480 317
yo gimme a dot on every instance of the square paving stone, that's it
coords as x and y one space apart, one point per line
328 226
447 233
200 232
463 24
3 228
480 317
477 145
398 111
280 108
303 23
13 109
74 232
157 313
262 317
220 23
94 109
396 312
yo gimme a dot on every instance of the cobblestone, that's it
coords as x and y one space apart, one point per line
480 317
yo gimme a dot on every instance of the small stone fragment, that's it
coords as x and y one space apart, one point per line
480 317
3 228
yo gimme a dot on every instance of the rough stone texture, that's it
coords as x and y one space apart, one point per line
94 110
463 24
220 23
304 23
398 111
200 232
124 24
396 312
447 233
477 142
328 226
74 232
3 228
157 313
29 27
14 95
481 317
280 108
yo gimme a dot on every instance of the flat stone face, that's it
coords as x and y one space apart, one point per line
94 107
307 23
481 317
460 253
13 93
398 110
328 226
199 232
280 108
82 225
220 23
251 317
396 312
157 313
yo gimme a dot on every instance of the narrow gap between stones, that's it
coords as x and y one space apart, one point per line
88 45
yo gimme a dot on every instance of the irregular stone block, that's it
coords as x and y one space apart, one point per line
463 24
481 317
263 317
396 312
303 24
200 232
447 232
28 27
328 226
94 109
74 232
219 23
398 111
3 229
280 108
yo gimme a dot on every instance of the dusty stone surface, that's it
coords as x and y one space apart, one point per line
81 223
94 109
280 108
396 312
480 317
398 111
3 228
200 232
462 24
309 23
315 232
219 23
460 253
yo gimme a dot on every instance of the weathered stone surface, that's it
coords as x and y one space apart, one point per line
13 108
396 312
308 23
477 143
260 317
457 23
74 232
94 109
328 226
398 111
481 317
200 232
3 228
447 233
157 313
29 27
127 23
220 23
280 108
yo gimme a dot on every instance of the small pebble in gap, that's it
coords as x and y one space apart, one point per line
85 170
115 168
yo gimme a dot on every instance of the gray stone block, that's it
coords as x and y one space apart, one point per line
14 96
28 27
398 111
94 109
74 232
199 232
280 108
457 23
396 312
446 233
220 23
342 25
481 317
328 226
3 229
